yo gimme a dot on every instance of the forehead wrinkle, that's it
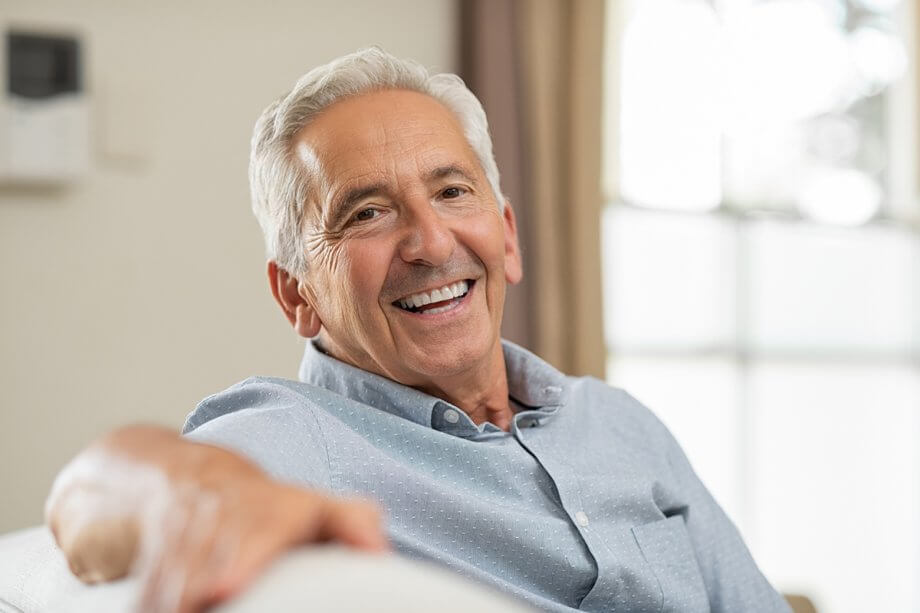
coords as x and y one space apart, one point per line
435 161
390 166
428 160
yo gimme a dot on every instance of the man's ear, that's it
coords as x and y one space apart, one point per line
514 268
286 290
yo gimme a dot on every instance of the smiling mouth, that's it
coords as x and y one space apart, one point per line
436 301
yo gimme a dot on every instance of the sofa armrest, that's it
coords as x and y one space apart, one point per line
34 577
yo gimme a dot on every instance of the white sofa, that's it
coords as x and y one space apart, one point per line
34 578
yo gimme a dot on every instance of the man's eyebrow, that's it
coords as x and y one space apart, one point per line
450 170
342 206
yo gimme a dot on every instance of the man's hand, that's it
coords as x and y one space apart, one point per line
195 522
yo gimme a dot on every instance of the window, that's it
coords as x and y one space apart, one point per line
761 254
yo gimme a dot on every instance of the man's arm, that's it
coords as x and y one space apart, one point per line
195 521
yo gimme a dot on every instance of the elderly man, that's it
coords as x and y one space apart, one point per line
390 246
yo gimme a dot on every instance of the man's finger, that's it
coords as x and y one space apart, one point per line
179 559
355 523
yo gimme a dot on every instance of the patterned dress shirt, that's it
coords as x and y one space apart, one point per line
587 503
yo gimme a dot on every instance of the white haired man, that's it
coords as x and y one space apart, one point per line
390 246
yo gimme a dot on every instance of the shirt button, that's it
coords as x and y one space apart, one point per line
582 519
451 416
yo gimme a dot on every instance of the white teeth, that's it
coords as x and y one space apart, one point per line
437 310
448 292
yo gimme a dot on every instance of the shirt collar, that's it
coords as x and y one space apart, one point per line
531 382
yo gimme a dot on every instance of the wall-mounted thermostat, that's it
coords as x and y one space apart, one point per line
44 111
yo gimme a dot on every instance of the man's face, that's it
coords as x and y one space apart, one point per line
408 251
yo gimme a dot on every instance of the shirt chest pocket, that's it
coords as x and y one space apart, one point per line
665 544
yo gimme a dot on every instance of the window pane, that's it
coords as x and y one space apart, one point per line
668 279
780 105
802 121
837 483
670 136
823 290
696 400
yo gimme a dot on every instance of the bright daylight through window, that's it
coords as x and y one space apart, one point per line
761 250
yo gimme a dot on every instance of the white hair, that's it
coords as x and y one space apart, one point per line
279 181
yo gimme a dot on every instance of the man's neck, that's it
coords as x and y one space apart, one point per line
482 393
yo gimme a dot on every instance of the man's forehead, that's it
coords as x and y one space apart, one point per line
371 135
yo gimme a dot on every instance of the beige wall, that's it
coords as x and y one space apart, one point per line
134 293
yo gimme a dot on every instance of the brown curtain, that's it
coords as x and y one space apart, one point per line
537 67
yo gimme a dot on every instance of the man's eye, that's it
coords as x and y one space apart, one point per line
366 214
452 192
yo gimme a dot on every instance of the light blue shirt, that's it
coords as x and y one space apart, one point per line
588 503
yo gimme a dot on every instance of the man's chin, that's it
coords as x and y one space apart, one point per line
444 359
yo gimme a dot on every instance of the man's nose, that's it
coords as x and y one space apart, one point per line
429 240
